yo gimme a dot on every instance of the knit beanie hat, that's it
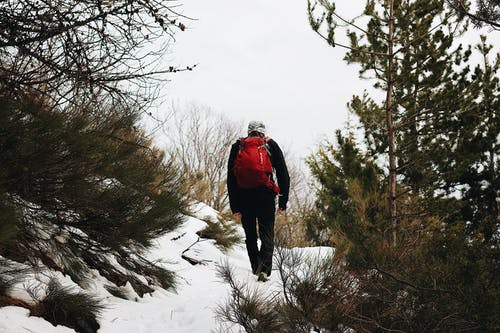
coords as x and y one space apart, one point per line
256 126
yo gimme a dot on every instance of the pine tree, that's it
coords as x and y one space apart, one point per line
350 193
411 62
81 185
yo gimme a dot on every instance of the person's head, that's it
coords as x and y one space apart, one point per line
256 127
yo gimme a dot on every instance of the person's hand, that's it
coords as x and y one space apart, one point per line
237 216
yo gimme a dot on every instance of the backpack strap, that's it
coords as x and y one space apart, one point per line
267 146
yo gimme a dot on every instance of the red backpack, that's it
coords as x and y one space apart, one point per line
252 166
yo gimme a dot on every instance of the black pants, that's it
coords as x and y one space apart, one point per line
259 208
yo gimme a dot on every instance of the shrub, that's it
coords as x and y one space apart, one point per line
225 234
319 294
252 310
10 274
62 306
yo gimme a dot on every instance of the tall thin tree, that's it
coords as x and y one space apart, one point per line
406 47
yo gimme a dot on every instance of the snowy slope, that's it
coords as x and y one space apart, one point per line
191 309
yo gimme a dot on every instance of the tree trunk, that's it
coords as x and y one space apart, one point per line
390 125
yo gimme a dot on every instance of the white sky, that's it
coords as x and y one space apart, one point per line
260 59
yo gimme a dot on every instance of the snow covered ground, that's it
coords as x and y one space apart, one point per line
189 309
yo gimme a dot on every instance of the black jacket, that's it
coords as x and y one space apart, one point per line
279 165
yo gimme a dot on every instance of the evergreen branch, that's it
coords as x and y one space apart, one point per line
351 24
414 120
420 63
378 74
400 194
426 112
369 320
148 148
351 48
418 38
409 284
416 214
463 10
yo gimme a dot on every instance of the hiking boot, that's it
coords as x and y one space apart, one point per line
263 277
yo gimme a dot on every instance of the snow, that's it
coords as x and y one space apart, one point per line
189 309
14 319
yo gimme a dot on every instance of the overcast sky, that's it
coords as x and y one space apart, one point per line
260 59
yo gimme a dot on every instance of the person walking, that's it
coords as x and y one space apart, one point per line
252 193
